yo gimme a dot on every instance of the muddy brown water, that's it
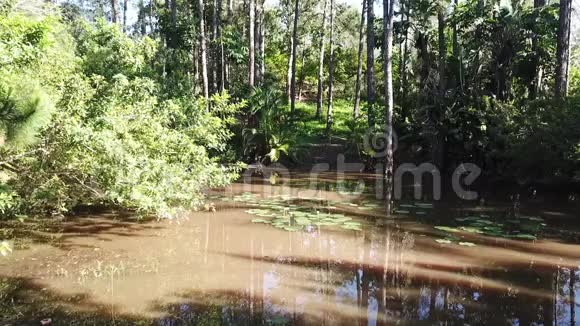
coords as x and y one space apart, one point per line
213 268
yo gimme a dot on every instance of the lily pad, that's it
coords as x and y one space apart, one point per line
525 236
259 220
351 227
446 229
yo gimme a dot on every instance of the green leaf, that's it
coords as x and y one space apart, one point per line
447 229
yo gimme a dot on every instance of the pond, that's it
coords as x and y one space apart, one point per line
292 252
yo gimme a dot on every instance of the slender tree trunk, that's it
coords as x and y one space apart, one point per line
361 46
263 45
330 70
404 59
294 45
321 64
141 19
572 286
442 50
151 11
251 56
259 41
563 49
115 11
289 74
437 145
203 48
457 54
170 35
125 6
402 66
370 59
195 59
227 66
537 69
220 60
302 74
214 48
388 14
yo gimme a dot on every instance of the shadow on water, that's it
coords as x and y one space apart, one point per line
213 268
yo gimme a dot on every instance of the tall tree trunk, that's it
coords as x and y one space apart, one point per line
302 74
442 50
437 141
370 59
388 14
423 57
220 57
289 73
195 59
203 48
321 63
537 69
330 70
294 45
214 48
563 49
405 12
141 22
227 66
456 52
125 6
262 44
251 56
115 11
572 286
259 41
170 35
361 46
151 11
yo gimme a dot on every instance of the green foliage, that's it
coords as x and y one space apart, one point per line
575 81
104 132
126 147
9 202
548 131
22 40
107 51
24 109
6 6
264 137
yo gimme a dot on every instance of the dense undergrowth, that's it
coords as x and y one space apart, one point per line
85 121
91 115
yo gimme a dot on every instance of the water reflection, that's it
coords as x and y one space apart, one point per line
375 277
220 268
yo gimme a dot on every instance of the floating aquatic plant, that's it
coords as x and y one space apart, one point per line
523 227
280 213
